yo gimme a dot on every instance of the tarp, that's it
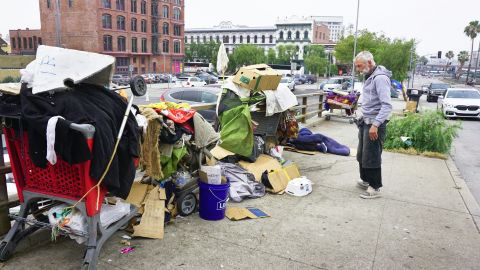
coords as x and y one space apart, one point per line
237 130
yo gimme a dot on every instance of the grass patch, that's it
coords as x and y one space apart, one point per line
430 134
5 73
15 61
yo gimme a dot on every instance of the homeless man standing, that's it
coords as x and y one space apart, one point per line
376 109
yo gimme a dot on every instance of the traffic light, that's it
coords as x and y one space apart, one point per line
439 54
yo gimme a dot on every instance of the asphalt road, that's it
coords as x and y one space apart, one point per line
466 147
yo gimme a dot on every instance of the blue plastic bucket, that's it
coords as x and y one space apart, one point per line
213 200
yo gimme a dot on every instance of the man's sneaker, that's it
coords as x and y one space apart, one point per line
362 184
371 193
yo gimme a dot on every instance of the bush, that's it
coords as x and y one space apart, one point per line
10 79
428 132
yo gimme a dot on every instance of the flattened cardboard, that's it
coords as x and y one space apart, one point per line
241 213
219 153
292 171
258 78
263 163
278 180
291 149
137 194
153 218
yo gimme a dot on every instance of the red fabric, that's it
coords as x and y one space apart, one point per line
178 116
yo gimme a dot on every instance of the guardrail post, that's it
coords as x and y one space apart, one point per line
304 109
320 106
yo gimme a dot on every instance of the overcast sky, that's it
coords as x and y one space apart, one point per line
436 24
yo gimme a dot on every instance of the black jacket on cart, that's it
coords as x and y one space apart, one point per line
86 104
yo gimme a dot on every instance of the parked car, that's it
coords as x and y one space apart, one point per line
311 79
147 78
300 79
119 79
459 102
337 83
289 82
190 82
208 78
195 96
435 90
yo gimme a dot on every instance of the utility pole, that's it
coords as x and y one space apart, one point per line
58 40
355 45
410 67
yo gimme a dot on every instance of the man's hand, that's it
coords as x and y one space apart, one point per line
373 133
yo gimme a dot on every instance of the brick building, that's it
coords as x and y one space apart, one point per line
146 35
25 42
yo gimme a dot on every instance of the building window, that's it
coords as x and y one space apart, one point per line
134 60
155 45
305 35
121 44
176 13
154 26
263 38
143 7
177 2
204 39
133 6
49 4
241 39
218 39
70 3
255 39
134 45
165 29
289 35
154 9
30 43
186 40
134 25
226 39
121 5
165 12
40 41
248 39
191 39
281 35
177 30
211 38
106 3
13 41
107 43
19 43
144 26
144 48
165 46
107 21
297 35
227 50
270 39
234 39
120 23
176 47
324 36
122 62
25 43
198 40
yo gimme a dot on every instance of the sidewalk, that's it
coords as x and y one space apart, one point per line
427 219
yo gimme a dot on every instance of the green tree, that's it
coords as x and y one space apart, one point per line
245 55
315 59
423 60
366 41
271 56
206 51
449 56
471 30
462 58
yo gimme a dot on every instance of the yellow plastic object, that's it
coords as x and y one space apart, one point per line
167 105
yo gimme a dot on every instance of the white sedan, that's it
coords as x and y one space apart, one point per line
289 82
459 102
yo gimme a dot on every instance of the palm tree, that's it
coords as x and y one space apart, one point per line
449 55
462 58
471 30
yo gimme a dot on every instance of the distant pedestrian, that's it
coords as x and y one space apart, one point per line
376 109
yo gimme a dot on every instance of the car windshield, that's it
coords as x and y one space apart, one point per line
183 79
334 81
463 94
439 86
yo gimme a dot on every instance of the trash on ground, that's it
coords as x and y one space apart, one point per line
241 213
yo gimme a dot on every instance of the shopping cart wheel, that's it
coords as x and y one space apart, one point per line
187 204
5 251
138 86
328 117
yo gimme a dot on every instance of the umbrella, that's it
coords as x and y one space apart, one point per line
222 60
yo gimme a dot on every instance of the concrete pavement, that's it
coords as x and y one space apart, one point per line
427 219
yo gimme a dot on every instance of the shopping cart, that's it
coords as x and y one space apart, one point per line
61 182
347 106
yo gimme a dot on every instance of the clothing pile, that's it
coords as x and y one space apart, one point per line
341 100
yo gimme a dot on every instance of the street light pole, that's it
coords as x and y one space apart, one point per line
355 45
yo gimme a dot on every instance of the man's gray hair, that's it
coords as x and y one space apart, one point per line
365 56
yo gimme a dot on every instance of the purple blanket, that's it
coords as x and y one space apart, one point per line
317 142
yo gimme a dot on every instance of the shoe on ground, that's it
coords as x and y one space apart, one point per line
362 184
371 193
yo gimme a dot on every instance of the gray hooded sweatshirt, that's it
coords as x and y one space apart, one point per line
376 105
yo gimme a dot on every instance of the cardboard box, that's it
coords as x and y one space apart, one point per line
241 213
258 78
206 176
411 106
263 163
153 218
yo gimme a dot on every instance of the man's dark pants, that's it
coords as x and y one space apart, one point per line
369 154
